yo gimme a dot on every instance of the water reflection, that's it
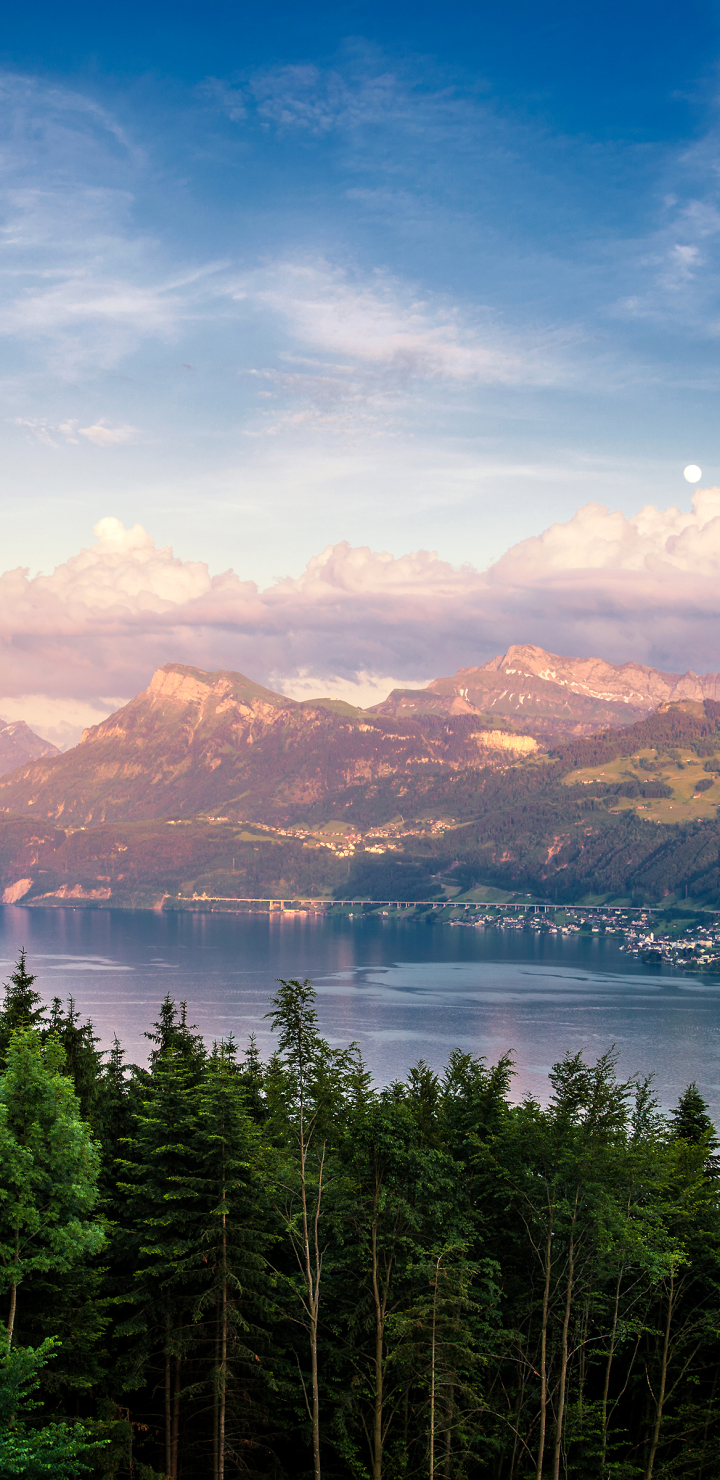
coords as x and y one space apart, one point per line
403 990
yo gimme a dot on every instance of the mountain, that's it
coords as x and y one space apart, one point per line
629 814
18 744
196 743
547 695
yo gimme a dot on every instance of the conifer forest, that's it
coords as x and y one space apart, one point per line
214 1266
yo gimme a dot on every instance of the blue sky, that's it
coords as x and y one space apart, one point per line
427 277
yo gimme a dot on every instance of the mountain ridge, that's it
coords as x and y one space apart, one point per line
550 695
195 742
19 744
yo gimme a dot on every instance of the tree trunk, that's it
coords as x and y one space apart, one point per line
432 1373
543 1354
564 1358
175 1422
11 1315
13 1295
377 1455
223 1353
216 1389
608 1369
663 1384
168 1396
312 1280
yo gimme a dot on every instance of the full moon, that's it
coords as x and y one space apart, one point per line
692 473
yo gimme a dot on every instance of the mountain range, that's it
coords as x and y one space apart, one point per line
551 696
195 742
211 785
19 744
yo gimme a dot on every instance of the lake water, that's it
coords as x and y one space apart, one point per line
403 990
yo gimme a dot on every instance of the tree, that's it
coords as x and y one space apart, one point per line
50 1165
311 1084
158 1176
82 1059
57 1449
23 1006
229 1241
402 1197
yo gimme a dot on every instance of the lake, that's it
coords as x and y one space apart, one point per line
402 989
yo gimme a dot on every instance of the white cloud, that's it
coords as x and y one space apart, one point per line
100 433
104 436
658 542
645 588
363 691
381 326
61 721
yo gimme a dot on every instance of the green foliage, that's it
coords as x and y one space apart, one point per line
23 1006
58 1449
49 1168
307 1273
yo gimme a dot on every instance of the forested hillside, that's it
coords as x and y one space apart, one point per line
215 1267
627 814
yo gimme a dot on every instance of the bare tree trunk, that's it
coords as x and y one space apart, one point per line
543 1355
377 1455
223 1353
168 1397
564 1358
312 1280
176 1422
608 1369
663 1384
448 1433
13 1295
432 1371
216 1389
11 1315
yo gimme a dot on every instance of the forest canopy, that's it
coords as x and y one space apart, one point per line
216 1266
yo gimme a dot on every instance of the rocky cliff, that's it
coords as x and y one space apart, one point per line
548 695
196 743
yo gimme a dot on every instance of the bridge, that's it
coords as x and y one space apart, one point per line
323 903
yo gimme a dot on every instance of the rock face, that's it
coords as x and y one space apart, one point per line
196 743
551 696
18 744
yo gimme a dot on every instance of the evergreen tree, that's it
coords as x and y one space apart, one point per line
23 1007
83 1062
158 1175
49 1169
309 1089
230 1269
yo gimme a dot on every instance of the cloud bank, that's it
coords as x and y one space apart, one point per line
357 621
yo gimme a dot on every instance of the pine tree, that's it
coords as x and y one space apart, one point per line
23 1007
158 1176
230 1243
309 1088
82 1058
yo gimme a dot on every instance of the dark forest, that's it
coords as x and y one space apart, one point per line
214 1266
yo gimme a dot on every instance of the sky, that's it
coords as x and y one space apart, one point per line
346 345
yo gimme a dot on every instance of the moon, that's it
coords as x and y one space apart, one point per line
692 473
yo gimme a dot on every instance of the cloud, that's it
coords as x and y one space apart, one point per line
315 101
395 334
105 436
100 433
61 721
356 622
